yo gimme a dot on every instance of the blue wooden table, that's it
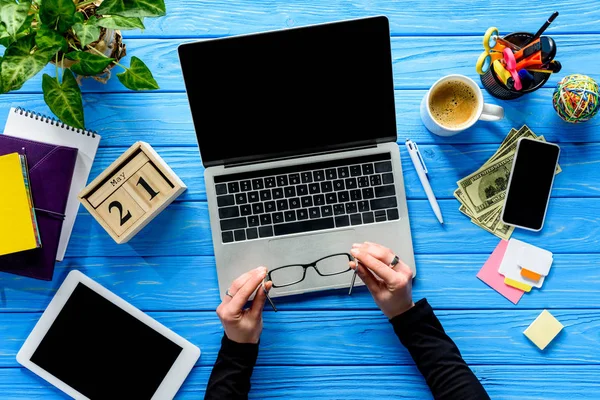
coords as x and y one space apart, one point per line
330 345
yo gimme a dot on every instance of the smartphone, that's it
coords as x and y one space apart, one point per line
530 184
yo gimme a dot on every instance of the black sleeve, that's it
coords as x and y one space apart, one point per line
436 355
230 377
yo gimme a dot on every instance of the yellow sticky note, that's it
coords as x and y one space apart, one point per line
517 284
543 330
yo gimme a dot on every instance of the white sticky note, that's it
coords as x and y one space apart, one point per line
543 330
510 267
535 259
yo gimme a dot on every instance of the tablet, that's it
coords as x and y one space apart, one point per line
91 344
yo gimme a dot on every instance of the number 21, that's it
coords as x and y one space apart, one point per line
116 204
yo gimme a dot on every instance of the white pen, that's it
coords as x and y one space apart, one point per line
419 164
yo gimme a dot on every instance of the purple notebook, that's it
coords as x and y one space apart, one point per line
50 173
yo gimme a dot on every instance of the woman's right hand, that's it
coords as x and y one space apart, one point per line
244 325
391 287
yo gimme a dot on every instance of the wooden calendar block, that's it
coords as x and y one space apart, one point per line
120 211
131 192
118 179
148 187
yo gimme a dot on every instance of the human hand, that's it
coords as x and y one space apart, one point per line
391 288
244 325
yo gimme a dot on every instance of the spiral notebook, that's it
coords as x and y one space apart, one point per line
29 125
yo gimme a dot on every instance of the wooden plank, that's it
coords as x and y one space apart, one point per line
218 18
418 61
446 164
356 337
299 382
164 119
190 284
571 227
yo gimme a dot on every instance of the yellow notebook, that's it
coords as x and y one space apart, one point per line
18 226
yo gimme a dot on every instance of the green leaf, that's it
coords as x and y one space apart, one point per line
1 85
132 8
138 76
88 64
20 63
13 15
122 23
21 47
58 14
79 17
87 32
64 99
6 39
50 41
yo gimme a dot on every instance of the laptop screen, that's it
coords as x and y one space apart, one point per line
291 92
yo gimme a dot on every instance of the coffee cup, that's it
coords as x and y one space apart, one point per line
454 103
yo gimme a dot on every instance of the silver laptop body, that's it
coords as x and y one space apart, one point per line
290 210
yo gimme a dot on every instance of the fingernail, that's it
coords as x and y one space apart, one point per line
354 252
355 245
262 270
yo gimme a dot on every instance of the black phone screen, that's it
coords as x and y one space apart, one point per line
530 184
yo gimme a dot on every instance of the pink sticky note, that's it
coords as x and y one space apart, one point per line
489 274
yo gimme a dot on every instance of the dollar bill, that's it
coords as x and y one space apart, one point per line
490 222
511 147
482 193
497 227
485 189
504 143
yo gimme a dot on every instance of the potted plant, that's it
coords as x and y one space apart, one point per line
81 37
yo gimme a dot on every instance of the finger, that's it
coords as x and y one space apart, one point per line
269 285
380 269
402 267
236 285
243 294
370 281
380 252
259 302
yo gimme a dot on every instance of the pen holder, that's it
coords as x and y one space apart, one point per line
494 85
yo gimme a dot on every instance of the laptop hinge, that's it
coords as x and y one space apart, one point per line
320 153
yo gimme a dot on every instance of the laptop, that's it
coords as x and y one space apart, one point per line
297 132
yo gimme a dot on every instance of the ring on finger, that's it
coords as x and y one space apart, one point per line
228 293
395 261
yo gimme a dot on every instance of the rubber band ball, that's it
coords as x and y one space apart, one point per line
576 98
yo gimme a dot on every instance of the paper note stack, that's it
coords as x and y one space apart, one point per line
515 267
18 229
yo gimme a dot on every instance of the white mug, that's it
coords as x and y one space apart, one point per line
485 112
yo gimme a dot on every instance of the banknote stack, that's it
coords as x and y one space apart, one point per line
481 194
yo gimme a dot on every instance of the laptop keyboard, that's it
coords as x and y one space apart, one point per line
304 198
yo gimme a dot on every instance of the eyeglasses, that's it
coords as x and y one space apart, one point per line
289 275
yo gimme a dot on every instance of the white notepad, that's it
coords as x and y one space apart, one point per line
33 126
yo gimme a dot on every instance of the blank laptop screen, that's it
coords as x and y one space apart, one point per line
292 91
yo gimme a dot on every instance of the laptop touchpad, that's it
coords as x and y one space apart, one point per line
309 248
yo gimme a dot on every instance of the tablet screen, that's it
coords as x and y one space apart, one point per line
102 351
